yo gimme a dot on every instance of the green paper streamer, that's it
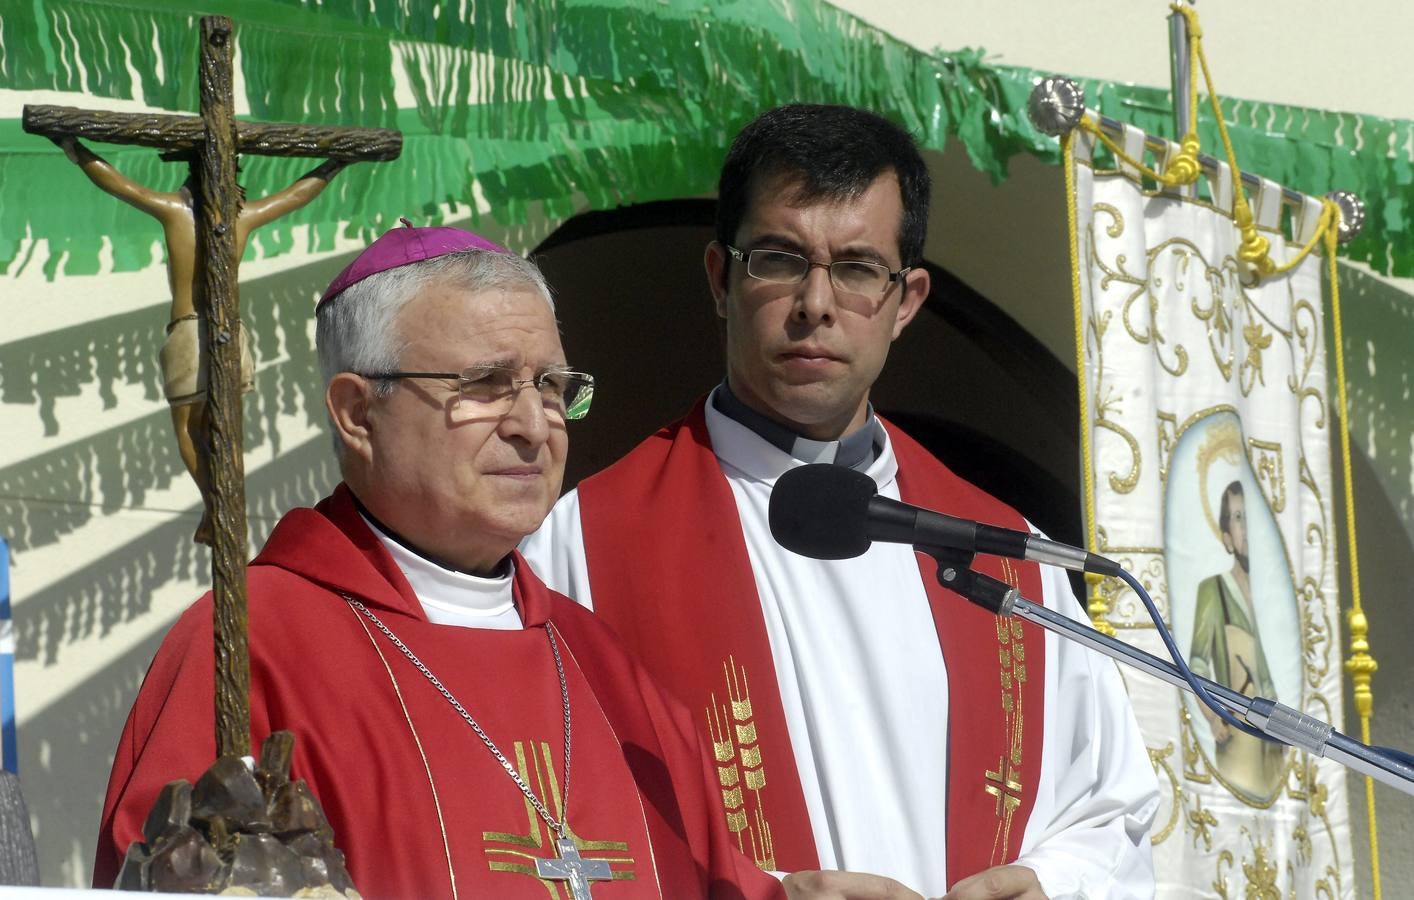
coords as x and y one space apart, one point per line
553 107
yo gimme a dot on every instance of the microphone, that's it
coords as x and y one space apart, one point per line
832 512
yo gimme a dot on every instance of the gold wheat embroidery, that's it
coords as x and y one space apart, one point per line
736 749
1004 783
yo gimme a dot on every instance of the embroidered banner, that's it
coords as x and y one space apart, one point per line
1210 435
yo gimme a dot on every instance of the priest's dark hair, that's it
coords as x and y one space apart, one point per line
825 153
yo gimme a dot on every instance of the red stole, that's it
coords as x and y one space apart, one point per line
669 570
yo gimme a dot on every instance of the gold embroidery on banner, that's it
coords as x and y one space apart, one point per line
1106 402
1306 325
1315 794
1260 872
1220 880
736 748
1270 469
1302 838
1004 783
1192 753
1257 340
1201 822
1147 287
1158 758
539 771
1168 440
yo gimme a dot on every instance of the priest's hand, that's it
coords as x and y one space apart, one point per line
836 885
999 883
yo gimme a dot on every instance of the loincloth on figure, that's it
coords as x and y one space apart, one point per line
183 369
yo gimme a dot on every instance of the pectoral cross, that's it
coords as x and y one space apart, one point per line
569 866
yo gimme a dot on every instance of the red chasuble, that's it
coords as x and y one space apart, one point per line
669 569
415 798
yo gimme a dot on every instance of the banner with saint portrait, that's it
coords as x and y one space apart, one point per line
1208 435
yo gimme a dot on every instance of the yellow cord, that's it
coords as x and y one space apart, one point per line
1361 665
1096 606
1254 247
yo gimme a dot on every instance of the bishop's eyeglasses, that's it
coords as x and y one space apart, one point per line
494 388
850 276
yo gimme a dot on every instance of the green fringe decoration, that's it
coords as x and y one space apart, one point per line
551 107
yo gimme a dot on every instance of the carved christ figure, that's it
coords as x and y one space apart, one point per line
182 360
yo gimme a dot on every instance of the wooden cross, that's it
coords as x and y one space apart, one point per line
570 867
216 138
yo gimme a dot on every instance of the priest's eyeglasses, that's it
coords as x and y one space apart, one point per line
850 276
564 394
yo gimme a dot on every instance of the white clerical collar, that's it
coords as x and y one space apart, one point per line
450 597
757 458
857 450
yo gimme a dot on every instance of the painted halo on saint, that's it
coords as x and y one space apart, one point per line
1232 603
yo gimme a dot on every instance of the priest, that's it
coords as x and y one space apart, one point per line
468 732
861 716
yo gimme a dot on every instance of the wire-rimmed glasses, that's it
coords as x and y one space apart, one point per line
851 276
494 388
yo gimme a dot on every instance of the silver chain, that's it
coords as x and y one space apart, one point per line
557 826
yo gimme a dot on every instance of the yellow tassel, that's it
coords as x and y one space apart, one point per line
1361 665
1185 168
1254 248
1096 605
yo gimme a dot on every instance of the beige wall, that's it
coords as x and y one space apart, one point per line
1303 52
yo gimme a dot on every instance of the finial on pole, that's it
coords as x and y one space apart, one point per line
1056 105
1352 215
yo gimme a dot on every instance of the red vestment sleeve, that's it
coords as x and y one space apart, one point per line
170 733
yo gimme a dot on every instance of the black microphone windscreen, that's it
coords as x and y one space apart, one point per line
821 511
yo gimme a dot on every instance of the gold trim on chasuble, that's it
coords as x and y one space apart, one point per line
736 751
537 841
1004 782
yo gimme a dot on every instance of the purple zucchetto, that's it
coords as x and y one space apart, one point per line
405 245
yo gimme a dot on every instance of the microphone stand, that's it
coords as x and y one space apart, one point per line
1285 724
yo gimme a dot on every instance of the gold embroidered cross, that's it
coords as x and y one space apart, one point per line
1008 791
523 853
1008 794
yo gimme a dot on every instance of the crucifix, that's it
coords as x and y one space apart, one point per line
213 139
570 867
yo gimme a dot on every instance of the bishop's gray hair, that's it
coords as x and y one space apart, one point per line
357 330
